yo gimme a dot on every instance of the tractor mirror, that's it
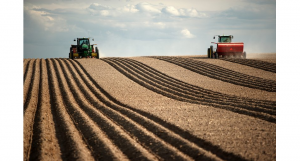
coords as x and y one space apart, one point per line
74 39
232 37
214 37
93 39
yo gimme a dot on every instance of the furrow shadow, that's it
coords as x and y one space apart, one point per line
119 114
267 66
30 111
196 91
26 70
220 71
222 74
112 132
67 144
167 79
35 152
138 116
29 91
154 86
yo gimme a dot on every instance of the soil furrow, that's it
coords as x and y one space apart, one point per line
149 140
25 68
181 96
44 143
140 133
71 142
240 68
30 110
221 71
195 94
152 74
28 80
223 74
146 120
128 146
217 70
267 66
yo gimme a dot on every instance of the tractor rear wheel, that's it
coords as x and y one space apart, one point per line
208 51
97 51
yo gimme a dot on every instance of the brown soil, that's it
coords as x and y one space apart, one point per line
143 109
245 69
193 78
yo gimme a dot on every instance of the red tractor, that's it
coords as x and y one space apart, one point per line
226 48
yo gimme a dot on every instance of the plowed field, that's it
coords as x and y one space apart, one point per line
148 108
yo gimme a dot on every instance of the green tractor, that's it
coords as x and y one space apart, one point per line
83 49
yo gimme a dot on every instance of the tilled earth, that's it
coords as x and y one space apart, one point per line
149 108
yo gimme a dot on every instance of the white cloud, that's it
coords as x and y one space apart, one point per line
189 12
46 20
129 8
96 6
171 10
249 12
186 33
146 7
182 12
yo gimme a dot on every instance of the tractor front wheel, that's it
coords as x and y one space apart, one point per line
216 55
71 54
211 51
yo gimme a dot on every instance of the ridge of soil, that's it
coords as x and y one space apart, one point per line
125 109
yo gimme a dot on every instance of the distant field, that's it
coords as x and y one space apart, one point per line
150 108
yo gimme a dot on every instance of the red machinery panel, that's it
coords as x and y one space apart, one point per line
230 47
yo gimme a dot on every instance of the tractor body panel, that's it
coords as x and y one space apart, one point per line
230 49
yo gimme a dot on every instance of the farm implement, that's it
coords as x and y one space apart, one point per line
226 48
83 49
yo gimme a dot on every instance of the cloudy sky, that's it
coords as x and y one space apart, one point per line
144 28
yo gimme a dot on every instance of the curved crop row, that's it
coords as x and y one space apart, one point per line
217 72
25 68
267 66
30 106
173 88
83 122
28 77
44 143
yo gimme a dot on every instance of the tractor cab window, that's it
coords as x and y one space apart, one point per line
83 41
224 39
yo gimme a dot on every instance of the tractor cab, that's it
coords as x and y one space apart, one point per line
83 43
226 39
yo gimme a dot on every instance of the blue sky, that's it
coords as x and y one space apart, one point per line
143 28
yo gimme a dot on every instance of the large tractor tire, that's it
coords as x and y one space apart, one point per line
71 54
211 51
208 52
216 55
97 51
